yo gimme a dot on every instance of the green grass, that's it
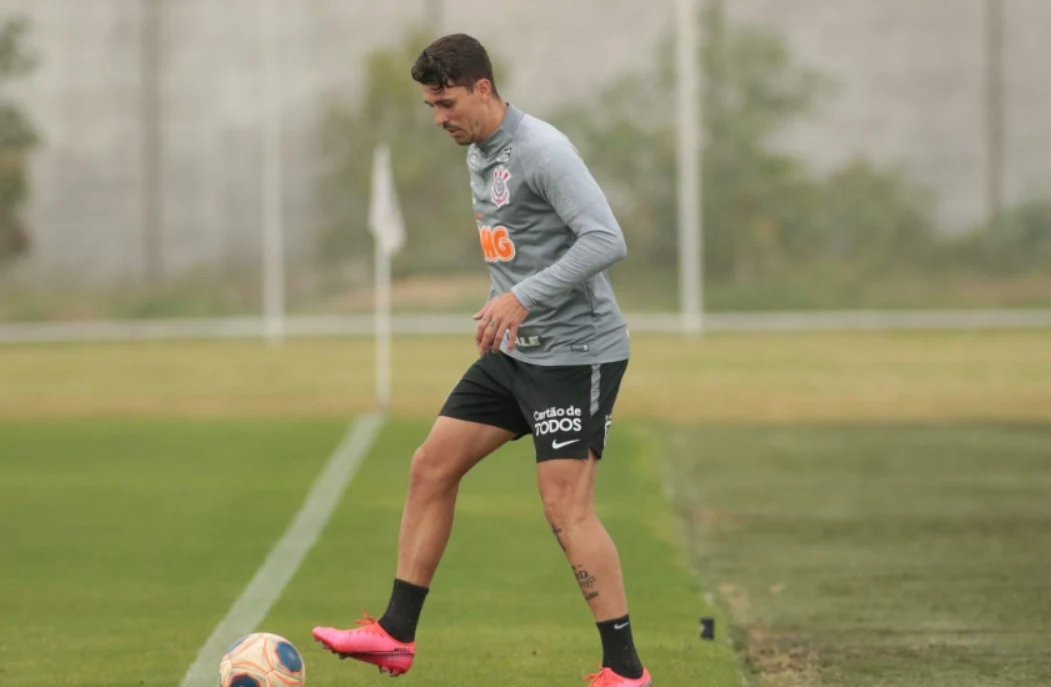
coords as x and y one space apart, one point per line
125 543
877 556
868 508
720 379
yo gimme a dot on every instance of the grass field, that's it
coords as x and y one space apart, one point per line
862 509
125 543
875 556
765 378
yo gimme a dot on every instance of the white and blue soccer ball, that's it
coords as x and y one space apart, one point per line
262 659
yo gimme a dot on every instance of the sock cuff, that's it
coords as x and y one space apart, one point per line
409 585
614 621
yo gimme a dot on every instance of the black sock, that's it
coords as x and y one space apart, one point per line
618 648
403 611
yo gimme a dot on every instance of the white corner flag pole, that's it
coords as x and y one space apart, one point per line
688 103
388 230
383 328
273 229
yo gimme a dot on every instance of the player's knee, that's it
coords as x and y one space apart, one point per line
564 504
429 471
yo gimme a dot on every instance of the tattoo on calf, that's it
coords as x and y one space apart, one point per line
585 579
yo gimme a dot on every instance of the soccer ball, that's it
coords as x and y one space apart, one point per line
262 659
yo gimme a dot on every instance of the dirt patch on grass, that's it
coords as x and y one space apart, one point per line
780 661
777 660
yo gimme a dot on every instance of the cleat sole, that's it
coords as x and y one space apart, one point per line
361 657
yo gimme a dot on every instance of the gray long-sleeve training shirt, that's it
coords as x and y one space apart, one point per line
548 234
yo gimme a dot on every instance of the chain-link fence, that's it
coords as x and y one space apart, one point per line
857 154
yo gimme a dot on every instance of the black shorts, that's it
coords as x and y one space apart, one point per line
568 409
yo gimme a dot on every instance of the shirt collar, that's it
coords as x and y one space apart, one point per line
504 133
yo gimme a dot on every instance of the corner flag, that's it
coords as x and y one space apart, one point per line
385 220
388 228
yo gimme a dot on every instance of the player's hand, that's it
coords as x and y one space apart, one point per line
502 315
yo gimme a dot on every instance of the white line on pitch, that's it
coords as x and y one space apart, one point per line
284 559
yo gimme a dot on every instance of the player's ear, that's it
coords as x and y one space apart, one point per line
484 88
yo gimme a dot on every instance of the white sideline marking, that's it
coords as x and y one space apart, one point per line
284 559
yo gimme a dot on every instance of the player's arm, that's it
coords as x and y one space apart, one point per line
560 176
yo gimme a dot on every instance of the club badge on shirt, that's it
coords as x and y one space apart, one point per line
501 192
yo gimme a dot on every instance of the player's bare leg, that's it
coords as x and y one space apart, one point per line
451 449
449 452
567 489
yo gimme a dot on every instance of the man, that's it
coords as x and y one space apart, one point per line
553 348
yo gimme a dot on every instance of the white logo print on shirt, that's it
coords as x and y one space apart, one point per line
501 193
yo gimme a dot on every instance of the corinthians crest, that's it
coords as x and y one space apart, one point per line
501 193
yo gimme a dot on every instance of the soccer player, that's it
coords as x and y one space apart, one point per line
553 347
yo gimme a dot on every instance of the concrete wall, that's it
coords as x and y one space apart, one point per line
910 71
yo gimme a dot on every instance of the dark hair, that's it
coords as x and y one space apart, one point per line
455 60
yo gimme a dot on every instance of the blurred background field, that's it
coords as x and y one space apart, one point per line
724 378
165 159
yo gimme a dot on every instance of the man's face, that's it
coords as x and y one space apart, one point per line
459 111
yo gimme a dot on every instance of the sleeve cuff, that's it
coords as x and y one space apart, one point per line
522 296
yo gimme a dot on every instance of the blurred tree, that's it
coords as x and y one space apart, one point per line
17 138
762 208
753 195
1018 240
765 213
430 170
875 218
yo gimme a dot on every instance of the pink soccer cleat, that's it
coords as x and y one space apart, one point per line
369 643
607 678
